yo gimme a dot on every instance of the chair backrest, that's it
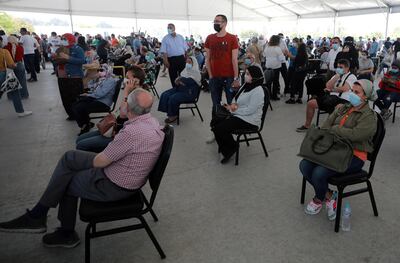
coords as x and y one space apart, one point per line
116 92
265 107
377 142
157 172
315 85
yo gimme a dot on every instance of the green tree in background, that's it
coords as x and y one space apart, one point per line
12 25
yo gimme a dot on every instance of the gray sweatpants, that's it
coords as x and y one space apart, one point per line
74 177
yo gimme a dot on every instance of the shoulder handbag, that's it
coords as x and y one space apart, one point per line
325 148
11 82
106 125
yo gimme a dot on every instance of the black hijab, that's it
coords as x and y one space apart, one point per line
257 80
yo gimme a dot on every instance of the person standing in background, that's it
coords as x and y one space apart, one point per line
28 44
173 48
283 70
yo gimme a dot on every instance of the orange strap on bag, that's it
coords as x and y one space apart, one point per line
360 154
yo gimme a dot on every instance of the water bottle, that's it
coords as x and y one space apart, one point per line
346 217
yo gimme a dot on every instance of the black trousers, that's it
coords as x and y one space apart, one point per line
297 84
84 106
29 61
275 83
70 88
284 72
176 65
223 133
36 61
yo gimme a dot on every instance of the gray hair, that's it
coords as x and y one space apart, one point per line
133 104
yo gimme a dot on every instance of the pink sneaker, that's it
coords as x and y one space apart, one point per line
313 208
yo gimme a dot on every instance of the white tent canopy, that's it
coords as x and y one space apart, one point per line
205 10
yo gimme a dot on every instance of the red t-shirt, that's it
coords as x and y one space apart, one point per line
221 54
19 52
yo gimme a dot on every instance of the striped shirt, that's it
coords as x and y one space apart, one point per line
134 151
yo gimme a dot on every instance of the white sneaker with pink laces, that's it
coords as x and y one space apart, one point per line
313 208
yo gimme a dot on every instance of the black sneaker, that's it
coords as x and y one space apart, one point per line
61 239
290 101
302 129
25 224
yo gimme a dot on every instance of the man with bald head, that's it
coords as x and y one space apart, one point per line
114 174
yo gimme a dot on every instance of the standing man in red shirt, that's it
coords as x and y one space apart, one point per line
222 61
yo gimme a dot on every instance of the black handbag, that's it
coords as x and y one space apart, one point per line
222 113
325 148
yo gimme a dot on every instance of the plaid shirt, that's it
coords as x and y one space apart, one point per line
134 151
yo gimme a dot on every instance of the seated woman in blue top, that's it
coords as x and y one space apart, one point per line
185 90
246 110
98 99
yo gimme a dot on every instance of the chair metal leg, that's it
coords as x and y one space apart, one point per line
270 105
339 208
263 144
198 111
237 149
394 112
152 237
191 109
155 91
146 202
371 196
318 113
87 243
303 190
247 141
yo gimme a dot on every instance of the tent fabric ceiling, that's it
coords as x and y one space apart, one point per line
205 10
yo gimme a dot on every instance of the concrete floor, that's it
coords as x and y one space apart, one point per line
208 212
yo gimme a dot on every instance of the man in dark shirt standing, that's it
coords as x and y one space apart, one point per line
396 47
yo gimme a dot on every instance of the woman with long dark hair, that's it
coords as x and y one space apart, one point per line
274 58
299 74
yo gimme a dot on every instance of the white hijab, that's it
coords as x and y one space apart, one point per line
194 72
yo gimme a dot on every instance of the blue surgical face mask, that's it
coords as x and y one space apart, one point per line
335 46
354 99
170 31
394 70
189 66
148 58
247 61
64 43
340 71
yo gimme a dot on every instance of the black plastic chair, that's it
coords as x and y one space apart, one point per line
395 106
152 85
190 105
251 132
342 181
136 206
115 99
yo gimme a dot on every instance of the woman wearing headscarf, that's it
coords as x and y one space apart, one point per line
69 59
185 90
17 54
98 99
246 110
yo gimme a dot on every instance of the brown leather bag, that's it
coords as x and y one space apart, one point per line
106 125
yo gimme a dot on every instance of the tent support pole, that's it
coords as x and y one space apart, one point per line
334 23
387 21
70 15
233 28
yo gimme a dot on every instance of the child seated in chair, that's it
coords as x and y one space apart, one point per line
185 90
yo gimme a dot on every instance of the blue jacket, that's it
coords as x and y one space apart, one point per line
105 91
76 60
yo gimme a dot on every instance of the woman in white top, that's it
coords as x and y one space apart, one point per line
273 61
246 112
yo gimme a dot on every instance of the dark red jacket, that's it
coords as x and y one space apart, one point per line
19 52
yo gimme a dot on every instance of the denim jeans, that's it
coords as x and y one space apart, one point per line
19 72
13 95
172 98
92 142
217 85
318 175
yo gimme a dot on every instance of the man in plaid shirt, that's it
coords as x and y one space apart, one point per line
114 174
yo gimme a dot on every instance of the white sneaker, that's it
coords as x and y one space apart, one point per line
312 208
25 113
210 138
331 206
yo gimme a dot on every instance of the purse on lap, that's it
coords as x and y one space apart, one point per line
106 125
323 147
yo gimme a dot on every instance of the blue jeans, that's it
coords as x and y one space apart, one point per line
172 98
13 95
92 142
19 72
385 99
217 85
318 175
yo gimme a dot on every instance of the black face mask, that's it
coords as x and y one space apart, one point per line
217 27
